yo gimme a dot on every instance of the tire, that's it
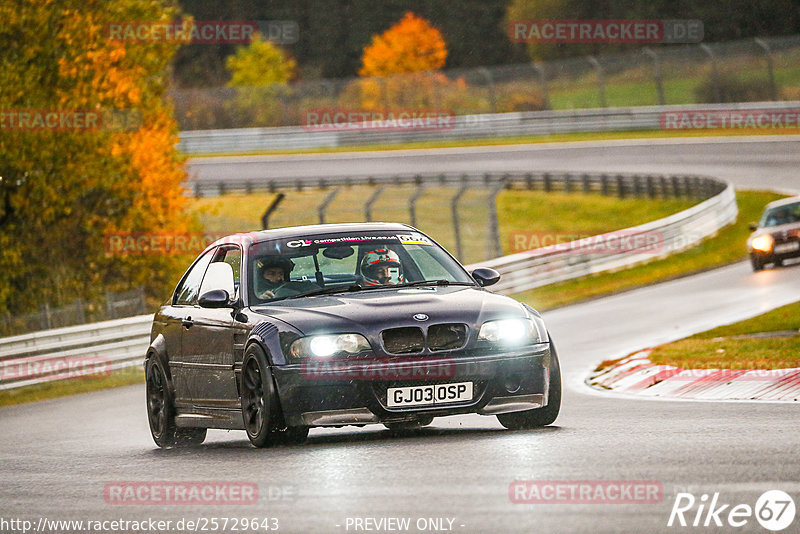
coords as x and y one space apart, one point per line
291 435
778 263
539 416
756 263
409 425
259 403
161 411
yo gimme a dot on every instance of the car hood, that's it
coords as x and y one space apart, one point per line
372 310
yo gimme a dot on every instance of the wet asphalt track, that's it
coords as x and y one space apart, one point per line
57 456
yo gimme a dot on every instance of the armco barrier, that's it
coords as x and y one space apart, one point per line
466 127
44 356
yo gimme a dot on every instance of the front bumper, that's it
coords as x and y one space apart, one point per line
356 393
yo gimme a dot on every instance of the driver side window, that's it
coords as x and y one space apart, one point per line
187 292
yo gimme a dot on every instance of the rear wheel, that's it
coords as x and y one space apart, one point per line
539 416
161 411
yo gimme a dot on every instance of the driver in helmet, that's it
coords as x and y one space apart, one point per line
273 272
381 267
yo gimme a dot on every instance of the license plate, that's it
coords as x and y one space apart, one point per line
429 395
787 247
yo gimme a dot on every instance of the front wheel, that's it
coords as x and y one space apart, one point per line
539 416
259 406
161 411
756 263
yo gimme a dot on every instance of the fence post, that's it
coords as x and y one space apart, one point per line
454 213
620 186
490 87
412 201
656 74
543 84
604 184
773 86
714 73
370 201
270 209
325 203
142 301
601 84
586 184
46 323
493 248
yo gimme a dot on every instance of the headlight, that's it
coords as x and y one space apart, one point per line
763 243
329 345
514 331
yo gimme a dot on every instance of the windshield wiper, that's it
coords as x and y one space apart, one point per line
328 290
436 283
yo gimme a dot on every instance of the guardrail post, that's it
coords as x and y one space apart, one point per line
620 186
454 213
714 73
493 249
529 181
370 201
567 183
270 209
587 186
196 190
651 192
601 84
325 203
221 187
46 319
657 77
773 86
604 184
412 201
543 83
546 182
248 187
637 186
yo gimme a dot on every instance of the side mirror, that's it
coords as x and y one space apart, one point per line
216 298
752 226
485 276
219 275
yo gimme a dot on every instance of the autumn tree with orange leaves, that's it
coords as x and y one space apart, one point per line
400 65
63 191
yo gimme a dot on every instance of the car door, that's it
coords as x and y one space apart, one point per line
208 343
178 319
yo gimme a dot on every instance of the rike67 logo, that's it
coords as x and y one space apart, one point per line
774 510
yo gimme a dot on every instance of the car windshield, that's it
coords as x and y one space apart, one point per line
786 214
332 263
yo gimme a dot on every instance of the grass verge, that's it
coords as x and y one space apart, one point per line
62 388
733 346
728 246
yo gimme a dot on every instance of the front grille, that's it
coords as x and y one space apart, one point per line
447 336
411 339
405 340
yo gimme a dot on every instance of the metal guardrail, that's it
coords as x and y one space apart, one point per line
96 349
89 350
535 268
465 127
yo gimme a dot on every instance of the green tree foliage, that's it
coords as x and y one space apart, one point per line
723 20
260 72
63 191
333 33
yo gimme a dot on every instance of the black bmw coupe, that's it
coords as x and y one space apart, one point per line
278 331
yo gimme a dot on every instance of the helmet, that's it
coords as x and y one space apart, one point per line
381 257
268 262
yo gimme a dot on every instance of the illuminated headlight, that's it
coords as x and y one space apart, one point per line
514 331
763 243
329 345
